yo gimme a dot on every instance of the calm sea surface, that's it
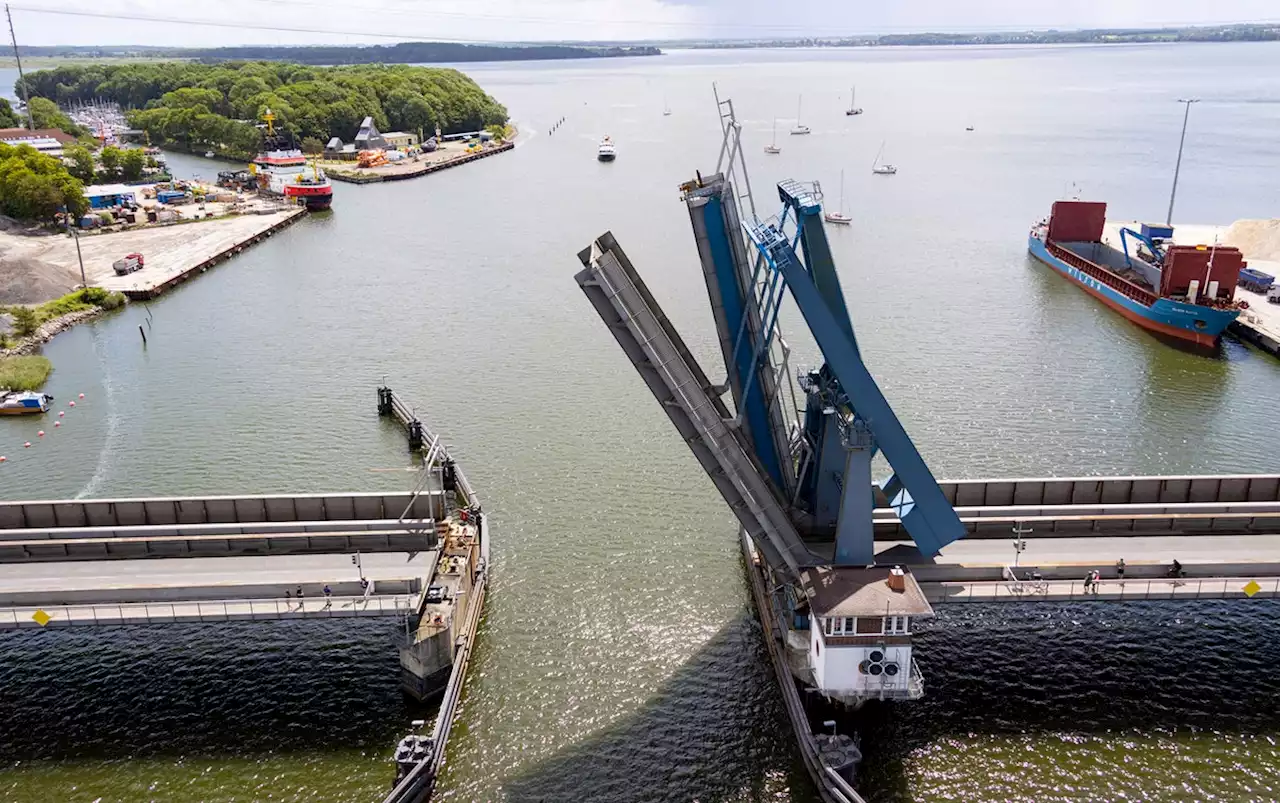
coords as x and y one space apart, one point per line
618 660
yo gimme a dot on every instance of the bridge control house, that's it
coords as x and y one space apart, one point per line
860 631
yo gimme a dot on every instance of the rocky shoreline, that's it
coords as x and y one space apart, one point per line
48 330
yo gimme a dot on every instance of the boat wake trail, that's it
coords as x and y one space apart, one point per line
111 393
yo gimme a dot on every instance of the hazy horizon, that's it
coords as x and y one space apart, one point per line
359 22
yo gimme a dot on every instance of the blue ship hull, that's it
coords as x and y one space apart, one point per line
1194 323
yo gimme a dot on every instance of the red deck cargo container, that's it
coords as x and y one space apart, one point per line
1077 221
1184 264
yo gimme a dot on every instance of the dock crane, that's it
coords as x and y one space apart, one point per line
798 477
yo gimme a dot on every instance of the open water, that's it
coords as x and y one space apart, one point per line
618 660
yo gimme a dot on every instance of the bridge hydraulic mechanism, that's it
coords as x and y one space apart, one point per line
794 456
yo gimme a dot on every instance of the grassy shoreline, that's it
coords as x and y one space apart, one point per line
24 373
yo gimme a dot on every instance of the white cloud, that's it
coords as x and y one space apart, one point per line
367 21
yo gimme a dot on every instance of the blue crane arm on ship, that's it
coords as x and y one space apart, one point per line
1156 250
913 491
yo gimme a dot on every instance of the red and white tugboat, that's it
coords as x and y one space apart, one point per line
283 170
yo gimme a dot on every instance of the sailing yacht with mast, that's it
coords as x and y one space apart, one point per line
853 105
799 128
882 169
772 147
839 217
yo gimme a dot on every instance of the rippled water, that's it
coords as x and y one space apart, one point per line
617 659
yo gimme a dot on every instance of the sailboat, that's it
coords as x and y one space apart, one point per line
882 169
839 217
799 129
853 106
772 147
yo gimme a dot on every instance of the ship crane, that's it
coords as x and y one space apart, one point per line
797 476
1155 246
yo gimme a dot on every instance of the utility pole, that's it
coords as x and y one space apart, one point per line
1168 220
26 95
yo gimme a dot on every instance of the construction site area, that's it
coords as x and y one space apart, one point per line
38 267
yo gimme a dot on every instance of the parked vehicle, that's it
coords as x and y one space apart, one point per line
1273 295
1256 280
129 264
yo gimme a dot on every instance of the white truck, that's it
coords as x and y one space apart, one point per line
1273 294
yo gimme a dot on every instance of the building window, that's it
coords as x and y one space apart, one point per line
897 625
848 624
868 626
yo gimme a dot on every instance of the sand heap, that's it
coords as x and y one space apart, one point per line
29 280
1256 239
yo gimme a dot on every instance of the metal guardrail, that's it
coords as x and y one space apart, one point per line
154 613
1101 591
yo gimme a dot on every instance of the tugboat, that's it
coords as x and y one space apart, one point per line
283 170
607 153
24 402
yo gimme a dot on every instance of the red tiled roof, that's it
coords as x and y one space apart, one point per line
10 134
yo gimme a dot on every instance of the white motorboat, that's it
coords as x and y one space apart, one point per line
606 152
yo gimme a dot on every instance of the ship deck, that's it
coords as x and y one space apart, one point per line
1260 324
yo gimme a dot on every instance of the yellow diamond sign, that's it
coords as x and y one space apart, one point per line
1251 588
41 617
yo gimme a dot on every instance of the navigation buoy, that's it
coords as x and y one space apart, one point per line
40 433
82 395
71 404
3 458
26 445
57 423
61 413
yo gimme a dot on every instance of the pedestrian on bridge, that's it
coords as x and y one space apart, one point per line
328 596
1120 569
1088 583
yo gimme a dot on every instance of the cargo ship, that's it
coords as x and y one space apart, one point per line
1186 292
282 169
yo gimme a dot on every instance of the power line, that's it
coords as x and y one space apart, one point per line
401 36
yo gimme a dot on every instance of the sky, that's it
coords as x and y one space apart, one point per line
292 22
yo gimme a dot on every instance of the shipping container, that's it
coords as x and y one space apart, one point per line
1157 231
1077 221
1184 264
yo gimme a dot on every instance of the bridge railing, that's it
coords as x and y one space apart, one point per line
1188 588
154 613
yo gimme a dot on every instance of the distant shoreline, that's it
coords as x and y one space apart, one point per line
328 55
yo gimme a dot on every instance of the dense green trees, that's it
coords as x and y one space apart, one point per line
216 107
46 114
8 117
34 186
132 164
82 166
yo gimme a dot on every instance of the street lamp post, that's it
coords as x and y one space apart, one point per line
1168 220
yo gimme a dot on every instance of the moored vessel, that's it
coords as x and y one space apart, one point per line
1186 292
24 402
282 169
606 152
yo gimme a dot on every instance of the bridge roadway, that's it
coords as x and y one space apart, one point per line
210 589
1213 567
